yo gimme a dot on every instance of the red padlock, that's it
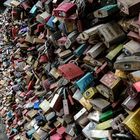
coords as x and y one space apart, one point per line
65 9
40 28
31 85
43 59
15 30
70 71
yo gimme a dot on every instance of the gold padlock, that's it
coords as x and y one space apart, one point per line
90 93
85 103
132 123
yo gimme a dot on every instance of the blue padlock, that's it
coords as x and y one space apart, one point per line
80 50
85 81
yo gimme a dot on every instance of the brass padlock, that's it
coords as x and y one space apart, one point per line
132 123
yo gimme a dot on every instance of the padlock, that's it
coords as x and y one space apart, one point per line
93 62
85 81
15 30
31 114
50 23
70 24
80 50
100 134
90 33
131 123
131 103
113 54
111 34
109 114
45 106
104 125
111 81
42 18
94 116
86 103
117 123
90 93
71 38
65 10
129 63
100 104
106 11
65 54
132 50
70 71
86 130
15 3
54 72
65 104
33 10
96 50
81 117
128 7
40 135
56 102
